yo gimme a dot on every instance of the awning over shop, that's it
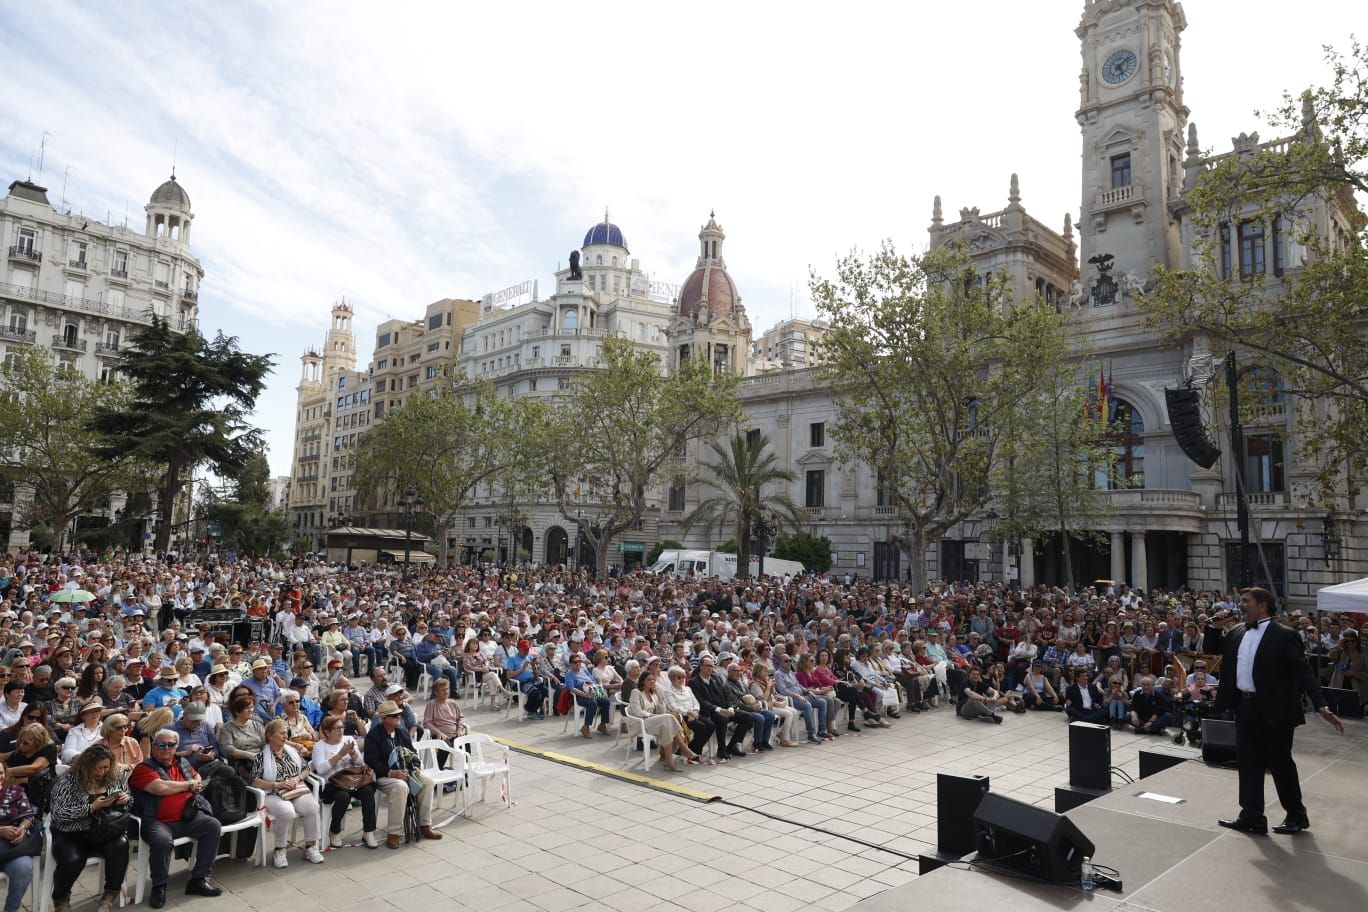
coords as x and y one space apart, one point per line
415 556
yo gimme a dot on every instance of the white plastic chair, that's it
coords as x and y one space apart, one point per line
424 688
485 759
576 716
429 754
45 872
317 788
636 728
255 820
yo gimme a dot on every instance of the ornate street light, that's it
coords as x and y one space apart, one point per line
411 502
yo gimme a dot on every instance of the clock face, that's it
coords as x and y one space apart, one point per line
1119 67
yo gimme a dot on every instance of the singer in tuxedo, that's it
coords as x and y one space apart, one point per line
1264 674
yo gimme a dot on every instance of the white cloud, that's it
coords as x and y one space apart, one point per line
398 154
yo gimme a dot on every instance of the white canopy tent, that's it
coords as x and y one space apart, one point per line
1352 596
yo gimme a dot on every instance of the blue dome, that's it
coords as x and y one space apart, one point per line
605 232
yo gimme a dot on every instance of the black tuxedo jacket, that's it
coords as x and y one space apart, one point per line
1073 695
1281 675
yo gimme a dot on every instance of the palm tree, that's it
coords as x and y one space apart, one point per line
739 475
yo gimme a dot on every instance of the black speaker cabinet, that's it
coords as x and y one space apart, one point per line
1090 755
1343 702
1218 741
957 798
1152 762
1030 839
1185 415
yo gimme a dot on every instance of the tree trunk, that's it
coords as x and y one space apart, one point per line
166 506
1068 558
601 555
443 549
743 550
916 563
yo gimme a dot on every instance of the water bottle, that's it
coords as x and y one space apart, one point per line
1086 881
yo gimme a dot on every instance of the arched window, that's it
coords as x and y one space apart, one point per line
570 319
598 260
1263 386
1129 440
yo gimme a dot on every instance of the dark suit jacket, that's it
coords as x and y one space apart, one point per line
1073 695
1281 675
711 693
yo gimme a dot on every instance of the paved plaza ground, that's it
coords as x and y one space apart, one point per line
576 838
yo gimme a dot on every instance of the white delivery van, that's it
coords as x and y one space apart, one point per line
680 563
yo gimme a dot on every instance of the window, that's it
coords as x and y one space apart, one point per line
382 364
412 381
434 371
1251 249
18 322
380 409
162 276
817 434
1225 250
108 373
1129 469
341 383
111 339
565 351
413 358
489 522
536 351
78 254
1121 171
435 321
677 496
1264 464
116 297
752 437
563 383
815 494
28 239
433 346
118 263
1279 245
75 289
1266 565
531 386
883 496
69 335
570 320
470 522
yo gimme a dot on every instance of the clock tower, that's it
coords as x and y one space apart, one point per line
1132 117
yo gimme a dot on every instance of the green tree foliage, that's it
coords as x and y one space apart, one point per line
812 551
1308 323
622 429
659 548
443 448
928 362
190 406
246 521
738 475
45 424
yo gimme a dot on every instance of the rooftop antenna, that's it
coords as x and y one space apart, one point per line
42 152
65 177
175 148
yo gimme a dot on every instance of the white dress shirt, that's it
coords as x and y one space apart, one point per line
1244 660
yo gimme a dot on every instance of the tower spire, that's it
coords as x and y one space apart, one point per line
936 218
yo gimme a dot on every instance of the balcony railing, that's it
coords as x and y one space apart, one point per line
116 273
24 252
60 341
1159 498
106 348
78 264
189 295
18 335
1257 500
161 285
86 305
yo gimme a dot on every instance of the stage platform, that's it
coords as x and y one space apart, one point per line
1175 858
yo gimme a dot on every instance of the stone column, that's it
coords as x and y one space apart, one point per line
1118 556
1026 573
1139 561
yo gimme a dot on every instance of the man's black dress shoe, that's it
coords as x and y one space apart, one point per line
202 886
158 897
1289 826
1257 827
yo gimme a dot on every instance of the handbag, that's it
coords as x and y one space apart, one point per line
109 824
352 778
31 844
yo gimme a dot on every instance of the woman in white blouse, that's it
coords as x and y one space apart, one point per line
335 753
85 733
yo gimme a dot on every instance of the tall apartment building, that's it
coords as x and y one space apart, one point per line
789 345
79 288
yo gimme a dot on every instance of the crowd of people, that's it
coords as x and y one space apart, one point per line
117 702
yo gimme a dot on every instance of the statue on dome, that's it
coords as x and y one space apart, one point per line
575 266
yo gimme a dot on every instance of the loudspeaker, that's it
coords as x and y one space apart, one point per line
1151 763
1030 839
1090 755
957 798
1343 702
1218 741
1068 797
1185 416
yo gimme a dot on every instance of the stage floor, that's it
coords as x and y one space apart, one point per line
1175 858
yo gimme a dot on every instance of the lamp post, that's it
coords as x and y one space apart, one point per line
1330 540
762 530
410 501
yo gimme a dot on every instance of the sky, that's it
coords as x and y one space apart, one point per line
396 154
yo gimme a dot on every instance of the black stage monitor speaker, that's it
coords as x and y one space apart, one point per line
1152 762
957 798
1218 741
1185 415
1343 702
1090 755
1030 839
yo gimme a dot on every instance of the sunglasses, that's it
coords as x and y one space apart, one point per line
164 745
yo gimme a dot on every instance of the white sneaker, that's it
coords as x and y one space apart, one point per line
369 840
312 855
279 860
335 840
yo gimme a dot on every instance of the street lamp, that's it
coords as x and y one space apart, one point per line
410 501
762 530
1330 540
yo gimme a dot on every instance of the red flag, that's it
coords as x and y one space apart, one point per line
1103 395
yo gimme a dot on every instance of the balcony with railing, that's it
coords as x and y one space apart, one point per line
1156 500
18 335
190 295
85 305
1265 500
78 265
117 273
106 347
26 253
68 343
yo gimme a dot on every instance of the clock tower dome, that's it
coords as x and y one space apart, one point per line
1132 117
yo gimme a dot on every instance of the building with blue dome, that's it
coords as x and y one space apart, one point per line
606 234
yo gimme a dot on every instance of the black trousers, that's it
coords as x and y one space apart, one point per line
700 730
70 851
740 723
1260 746
341 801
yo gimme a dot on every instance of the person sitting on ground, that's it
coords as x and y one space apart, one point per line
17 821
588 694
1151 711
1083 702
1037 691
341 753
1117 704
162 786
92 785
997 679
978 700
282 774
386 747
648 704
